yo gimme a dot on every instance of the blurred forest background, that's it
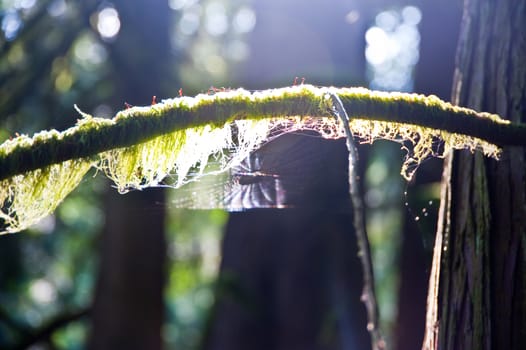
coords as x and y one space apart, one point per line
103 259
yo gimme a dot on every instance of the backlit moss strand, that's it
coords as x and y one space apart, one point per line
141 146
140 124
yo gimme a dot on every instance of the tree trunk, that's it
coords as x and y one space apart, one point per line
477 297
290 278
128 308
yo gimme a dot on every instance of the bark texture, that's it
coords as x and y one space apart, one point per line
478 288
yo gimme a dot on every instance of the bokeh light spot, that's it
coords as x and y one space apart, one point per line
11 23
25 4
387 20
89 53
412 15
216 21
375 35
237 50
57 8
215 65
63 81
189 23
108 23
352 17
245 20
377 42
42 291
392 49
181 4
17 55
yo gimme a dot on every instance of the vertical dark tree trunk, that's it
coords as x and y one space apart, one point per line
290 278
128 308
477 294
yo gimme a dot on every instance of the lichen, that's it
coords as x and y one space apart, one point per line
142 146
419 142
27 198
177 153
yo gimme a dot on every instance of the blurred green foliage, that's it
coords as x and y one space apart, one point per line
194 255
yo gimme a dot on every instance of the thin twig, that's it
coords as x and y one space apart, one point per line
368 294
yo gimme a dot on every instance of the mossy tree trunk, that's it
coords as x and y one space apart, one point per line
478 289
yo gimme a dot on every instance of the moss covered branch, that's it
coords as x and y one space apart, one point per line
141 145
139 124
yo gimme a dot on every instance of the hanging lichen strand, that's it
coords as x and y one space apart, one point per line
27 198
142 145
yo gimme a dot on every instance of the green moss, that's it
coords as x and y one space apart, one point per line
27 198
142 145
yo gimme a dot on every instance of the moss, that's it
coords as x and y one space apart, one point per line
143 145
27 198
